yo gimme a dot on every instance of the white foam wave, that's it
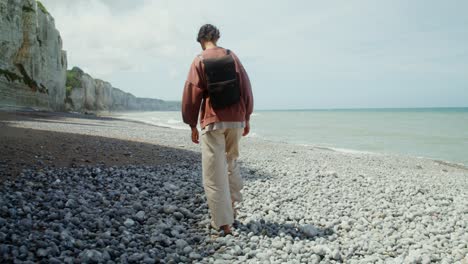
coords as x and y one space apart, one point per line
157 122
173 121
252 135
180 127
352 151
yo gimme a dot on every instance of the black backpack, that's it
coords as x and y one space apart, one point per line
222 81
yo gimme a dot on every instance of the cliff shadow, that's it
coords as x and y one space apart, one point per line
37 149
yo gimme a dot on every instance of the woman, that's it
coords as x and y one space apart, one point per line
226 102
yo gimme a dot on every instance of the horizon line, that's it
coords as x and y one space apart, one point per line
363 108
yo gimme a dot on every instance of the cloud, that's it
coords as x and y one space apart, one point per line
108 42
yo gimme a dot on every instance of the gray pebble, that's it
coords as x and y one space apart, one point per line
194 255
187 249
91 256
129 222
180 243
140 216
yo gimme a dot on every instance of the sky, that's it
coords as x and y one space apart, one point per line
298 54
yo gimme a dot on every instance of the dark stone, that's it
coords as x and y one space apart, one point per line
42 252
135 257
54 260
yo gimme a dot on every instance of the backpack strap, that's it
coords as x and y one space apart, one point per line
205 93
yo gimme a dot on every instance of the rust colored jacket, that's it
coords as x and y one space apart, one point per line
195 85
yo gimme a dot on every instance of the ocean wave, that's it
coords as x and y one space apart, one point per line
174 121
156 122
172 125
253 135
352 151
342 150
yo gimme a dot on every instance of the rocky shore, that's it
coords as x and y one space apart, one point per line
132 193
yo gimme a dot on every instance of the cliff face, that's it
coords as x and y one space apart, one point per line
32 62
87 94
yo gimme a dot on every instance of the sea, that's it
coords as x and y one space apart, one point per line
435 133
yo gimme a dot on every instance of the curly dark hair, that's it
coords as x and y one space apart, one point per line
208 32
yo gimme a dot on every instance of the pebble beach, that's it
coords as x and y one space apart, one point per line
105 190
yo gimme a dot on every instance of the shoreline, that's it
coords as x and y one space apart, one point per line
110 117
318 146
336 149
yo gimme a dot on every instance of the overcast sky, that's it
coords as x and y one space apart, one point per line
299 54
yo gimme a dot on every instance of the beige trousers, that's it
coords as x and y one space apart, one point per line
221 175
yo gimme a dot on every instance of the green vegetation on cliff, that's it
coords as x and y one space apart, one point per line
10 76
73 79
68 91
13 77
31 82
42 7
39 5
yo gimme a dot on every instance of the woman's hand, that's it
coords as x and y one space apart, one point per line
195 136
246 129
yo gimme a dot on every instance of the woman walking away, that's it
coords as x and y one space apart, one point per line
218 89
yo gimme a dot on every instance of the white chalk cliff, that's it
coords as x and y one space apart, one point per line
32 62
87 94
